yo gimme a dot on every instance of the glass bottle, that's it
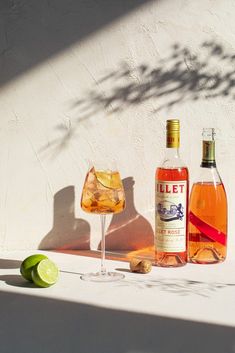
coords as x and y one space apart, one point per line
208 209
171 203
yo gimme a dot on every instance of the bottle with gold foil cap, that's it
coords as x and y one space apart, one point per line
208 209
171 203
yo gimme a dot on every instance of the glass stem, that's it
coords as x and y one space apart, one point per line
102 219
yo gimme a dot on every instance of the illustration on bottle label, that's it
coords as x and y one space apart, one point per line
171 198
170 212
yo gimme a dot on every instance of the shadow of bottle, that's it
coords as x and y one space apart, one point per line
68 232
129 230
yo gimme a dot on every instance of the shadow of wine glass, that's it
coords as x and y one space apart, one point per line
129 230
68 232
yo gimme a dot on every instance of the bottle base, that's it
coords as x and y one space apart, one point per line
196 262
206 256
170 260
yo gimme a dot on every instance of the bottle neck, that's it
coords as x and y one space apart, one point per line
173 139
172 152
208 154
172 157
172 144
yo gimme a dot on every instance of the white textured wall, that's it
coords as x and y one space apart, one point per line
80 79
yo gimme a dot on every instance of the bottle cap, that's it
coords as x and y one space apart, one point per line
208 134
173 124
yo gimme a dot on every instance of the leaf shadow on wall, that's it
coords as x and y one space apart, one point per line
129 230
68 232
181 76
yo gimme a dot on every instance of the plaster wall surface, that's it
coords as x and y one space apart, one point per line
82 80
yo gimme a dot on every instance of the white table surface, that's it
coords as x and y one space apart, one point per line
189 309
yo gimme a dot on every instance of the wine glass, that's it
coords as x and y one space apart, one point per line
103 194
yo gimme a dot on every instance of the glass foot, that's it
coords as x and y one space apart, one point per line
102 277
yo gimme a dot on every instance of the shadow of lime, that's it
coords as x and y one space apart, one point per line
17 281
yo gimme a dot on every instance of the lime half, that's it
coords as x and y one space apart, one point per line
45 273
28 264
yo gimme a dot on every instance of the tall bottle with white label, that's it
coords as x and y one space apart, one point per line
171 203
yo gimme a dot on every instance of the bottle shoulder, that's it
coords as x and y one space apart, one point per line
172 167
208 175
172 162
172 174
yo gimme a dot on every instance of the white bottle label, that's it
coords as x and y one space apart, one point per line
170 216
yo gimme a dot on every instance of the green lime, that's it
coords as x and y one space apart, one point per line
45 273
29 263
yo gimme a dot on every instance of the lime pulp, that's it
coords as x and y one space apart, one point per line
45 273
